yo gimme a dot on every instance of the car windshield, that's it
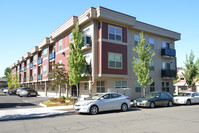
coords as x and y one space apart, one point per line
184 94
150 95
93 97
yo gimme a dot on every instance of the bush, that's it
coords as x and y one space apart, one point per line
61 100
52 99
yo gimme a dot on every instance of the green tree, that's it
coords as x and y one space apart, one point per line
7 72
141 65
59 78
76 60
15 81
190 70
10 80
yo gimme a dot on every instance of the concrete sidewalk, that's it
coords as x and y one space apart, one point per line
17 114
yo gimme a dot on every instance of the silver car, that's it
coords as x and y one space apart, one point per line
103 102
28 93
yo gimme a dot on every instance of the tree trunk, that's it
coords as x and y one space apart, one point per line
59 91
144 91
77 93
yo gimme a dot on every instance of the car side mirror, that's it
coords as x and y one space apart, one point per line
157 96
101 98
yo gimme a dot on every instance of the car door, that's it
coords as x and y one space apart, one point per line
194 98
165 99
116 101
158 100
104 103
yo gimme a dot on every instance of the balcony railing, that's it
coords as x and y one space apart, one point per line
168 52
31 78
168 73
31 65
39 61
39 77
25 68
51 55
24 80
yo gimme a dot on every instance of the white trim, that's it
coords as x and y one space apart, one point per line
113 75
115 61
109 25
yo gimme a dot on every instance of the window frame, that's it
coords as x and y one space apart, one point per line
100 86
152 87
152 43
60 44
116 27
136 41
121 86
86 86
45 70
137 87
115 60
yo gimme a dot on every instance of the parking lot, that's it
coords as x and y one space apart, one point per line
13 101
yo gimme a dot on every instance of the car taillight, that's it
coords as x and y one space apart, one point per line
128 98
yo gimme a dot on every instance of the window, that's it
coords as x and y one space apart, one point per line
107 96
166 66
115 33
85 86
100 86
60 44
152 87
165 86
27 74
45 70
45 52
137 87
151 42
120 84
71 37
35 58
60 62
87 37
136 39
152 66
164 95
114 60
165 45
28 62
115 95
181 77
35 72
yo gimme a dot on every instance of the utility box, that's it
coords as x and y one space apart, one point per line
123 91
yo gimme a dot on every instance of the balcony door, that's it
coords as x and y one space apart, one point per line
166 66
165 45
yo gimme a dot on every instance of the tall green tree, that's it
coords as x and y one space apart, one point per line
190 70
7 72
10 80
15 81
59 77
76 60
141 65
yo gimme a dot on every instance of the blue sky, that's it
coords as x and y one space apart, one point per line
24 23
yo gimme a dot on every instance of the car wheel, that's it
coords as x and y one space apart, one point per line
29 95
188 102
124 107
152 105
170 104
94 110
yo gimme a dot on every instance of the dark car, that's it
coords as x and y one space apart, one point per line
28 93
155 99
21 89
12 92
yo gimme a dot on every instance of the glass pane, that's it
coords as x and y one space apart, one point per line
111 36
137 84
111 57
102 89
98 89
163 44
98 83
151 41
102 83
136 43
118 83
167 83
111 63
118 65
124 84
118 31
118 57
162 83
111 29
137 89
118 38
137 38
152 46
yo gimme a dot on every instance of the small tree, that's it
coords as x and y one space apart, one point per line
7 72
76 60
190 70
15 81
59 76
141 66
9 80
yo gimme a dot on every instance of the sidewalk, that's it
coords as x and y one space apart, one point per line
17 114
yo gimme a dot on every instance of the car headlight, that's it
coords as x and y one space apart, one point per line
145 101
86 104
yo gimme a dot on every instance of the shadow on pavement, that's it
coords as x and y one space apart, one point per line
11 105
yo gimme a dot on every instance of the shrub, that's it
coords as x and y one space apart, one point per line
52 99
61 100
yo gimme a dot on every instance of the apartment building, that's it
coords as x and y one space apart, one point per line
109 38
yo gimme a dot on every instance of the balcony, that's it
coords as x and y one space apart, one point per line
168 73
25 68
39 77
39 61
31 65
24 80
31 78
167 52
52 56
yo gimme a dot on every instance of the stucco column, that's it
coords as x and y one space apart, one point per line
176 90
90 87
45 89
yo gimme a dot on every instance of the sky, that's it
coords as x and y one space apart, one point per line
24 23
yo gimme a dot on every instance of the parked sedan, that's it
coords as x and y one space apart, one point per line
5 90
12 92
187 98
155 99
21 89
103 102
28 93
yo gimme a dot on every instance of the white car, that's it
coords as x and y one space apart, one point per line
103 102
187 98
